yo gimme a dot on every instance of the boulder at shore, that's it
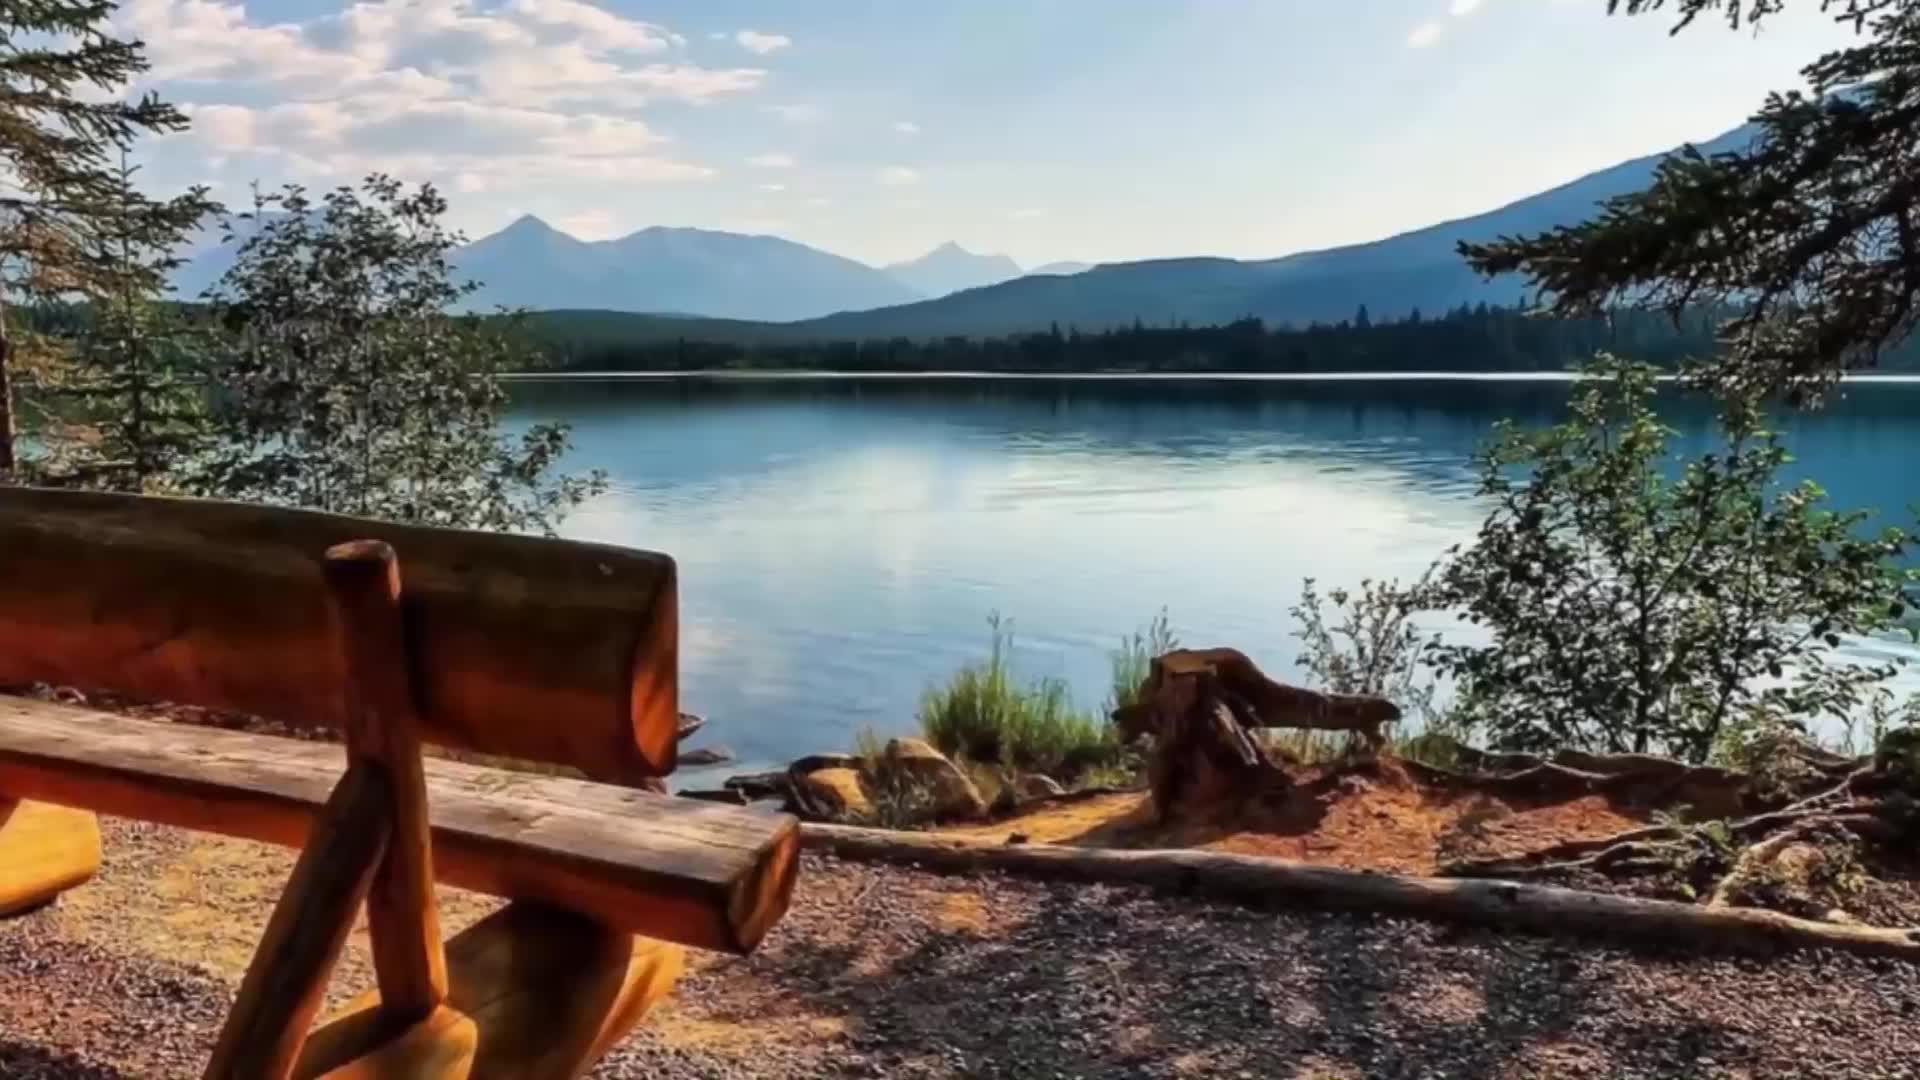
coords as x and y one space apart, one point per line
953 795
835 793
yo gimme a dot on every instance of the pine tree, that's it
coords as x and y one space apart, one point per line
62 198
1808 239
132 398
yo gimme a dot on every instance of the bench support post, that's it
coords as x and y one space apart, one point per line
282 991
548 992
383 730
44 851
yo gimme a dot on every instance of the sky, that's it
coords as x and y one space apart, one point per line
1094 130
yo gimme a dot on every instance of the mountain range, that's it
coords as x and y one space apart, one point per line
691 275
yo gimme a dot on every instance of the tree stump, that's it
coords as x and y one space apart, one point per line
1200 707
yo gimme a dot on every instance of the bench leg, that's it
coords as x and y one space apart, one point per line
44 851
548 993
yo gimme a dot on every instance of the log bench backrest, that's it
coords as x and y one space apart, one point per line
544 650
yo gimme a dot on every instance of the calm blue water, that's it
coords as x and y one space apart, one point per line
842 541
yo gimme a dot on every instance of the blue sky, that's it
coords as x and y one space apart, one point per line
1046 129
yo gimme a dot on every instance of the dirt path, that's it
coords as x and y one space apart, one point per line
891 973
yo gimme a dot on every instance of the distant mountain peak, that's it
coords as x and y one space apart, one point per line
527 224
951 268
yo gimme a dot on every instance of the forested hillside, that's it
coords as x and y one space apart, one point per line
1478 338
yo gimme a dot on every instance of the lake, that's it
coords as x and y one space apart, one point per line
843 540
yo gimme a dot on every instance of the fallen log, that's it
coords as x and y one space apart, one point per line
1498 904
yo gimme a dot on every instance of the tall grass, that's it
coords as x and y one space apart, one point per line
985 714
1132 661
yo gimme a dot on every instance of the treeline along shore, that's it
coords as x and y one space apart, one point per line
1468 338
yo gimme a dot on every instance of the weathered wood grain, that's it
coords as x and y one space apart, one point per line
44 851
283 988
545 650
550 992
684 871
382 729
441 1047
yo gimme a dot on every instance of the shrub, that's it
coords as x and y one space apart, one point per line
985 715
1631 609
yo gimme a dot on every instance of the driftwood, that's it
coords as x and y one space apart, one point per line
1499 904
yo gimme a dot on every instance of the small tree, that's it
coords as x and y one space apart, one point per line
131 405
1634 610
1375 648
352 385
61 197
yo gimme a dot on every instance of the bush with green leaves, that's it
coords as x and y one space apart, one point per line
353 385
1633 608
984 714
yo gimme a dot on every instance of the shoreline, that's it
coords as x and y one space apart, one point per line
804 374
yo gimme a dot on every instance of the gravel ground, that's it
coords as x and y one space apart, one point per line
882 972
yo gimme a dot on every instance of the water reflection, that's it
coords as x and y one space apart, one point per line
842 541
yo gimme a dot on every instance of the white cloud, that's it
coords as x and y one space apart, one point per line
1027 213
568 18
1424 35
756 42
771 161
773 187
897 176
906 127
798 114
481 95
1463 7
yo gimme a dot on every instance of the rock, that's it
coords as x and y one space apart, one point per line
1037 786
689 723
833 794
705 755
770 785
953 795
816 762
730 796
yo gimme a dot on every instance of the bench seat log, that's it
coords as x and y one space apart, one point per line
543 650
548 992
44 851
680 870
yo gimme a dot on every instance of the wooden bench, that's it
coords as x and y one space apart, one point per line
540 650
